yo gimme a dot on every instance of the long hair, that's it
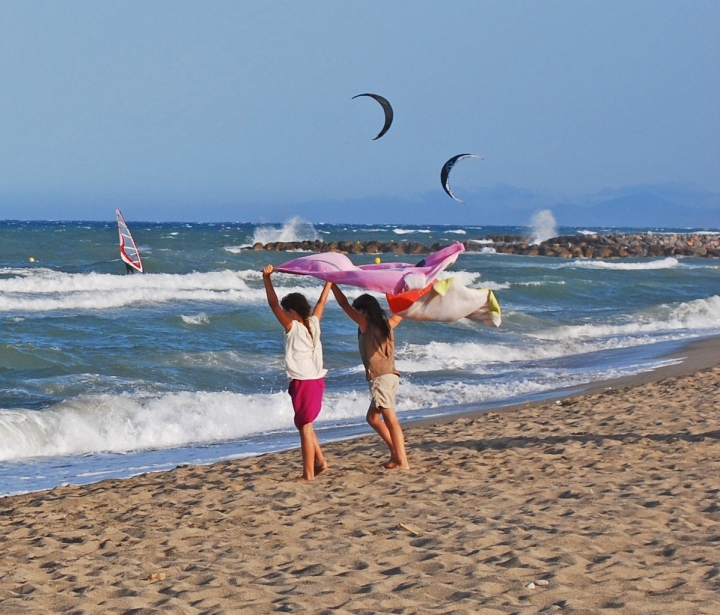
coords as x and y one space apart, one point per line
370 308
298 302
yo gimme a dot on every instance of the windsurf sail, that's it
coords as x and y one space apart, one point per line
128 250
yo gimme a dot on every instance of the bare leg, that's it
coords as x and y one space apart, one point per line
319 461
384 421
375 420
307 447
399 458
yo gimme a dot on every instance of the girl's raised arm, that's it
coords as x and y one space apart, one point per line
349 309
320 305
272 299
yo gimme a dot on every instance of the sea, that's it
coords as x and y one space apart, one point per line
109 375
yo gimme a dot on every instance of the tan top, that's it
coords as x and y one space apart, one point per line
378 355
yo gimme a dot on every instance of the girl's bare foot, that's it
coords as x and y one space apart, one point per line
394 464
321 468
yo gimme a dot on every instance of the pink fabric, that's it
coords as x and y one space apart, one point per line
306 398
389 278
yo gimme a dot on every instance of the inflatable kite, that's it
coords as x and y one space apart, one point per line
445 173
412 291
386 108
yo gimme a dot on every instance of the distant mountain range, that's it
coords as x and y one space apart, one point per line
501 205
646 206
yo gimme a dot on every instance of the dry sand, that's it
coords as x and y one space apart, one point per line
609 502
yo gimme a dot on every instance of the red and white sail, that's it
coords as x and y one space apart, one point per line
128 250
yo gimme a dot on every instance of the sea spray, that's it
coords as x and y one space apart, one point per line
544 226
295 229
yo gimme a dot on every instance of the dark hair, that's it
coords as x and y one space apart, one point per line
297 302
370 308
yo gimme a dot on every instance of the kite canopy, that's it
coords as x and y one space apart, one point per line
412 291
445 172
386 108
390 278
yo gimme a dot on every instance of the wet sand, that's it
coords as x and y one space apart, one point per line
608 501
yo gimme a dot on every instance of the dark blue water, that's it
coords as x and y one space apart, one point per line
106 374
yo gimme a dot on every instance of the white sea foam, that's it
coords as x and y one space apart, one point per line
294 229
458 232
405 231
662 324
129 423
687 316
665 263
124 423
540 283
198 319
477 357
39 290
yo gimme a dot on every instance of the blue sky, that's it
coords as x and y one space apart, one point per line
178 110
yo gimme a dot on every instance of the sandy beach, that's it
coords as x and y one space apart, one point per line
608 501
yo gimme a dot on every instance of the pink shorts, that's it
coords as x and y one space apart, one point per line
306 398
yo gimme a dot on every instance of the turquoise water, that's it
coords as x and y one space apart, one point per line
106 374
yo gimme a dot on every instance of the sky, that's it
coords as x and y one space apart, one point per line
243 110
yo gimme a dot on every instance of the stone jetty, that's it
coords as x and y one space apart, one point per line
576 246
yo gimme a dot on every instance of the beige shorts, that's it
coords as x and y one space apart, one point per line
383 390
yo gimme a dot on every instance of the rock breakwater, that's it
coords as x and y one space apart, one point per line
566 246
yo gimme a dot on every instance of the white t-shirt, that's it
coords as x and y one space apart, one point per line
303 352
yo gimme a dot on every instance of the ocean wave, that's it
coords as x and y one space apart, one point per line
665 323
126 423
40 290
540 283
691 316
665 263
50 291
198 319
47 281
477 358
130 423
405 231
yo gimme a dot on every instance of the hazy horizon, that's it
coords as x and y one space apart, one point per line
245 110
